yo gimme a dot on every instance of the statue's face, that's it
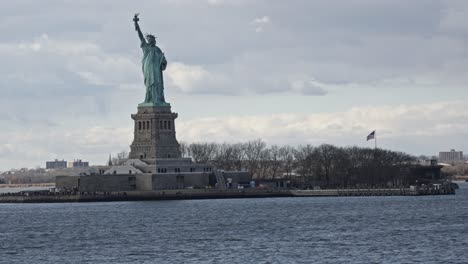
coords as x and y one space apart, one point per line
151 40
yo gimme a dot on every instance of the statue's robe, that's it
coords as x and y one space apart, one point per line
153 63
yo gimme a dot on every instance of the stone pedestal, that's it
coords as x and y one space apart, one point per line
154 134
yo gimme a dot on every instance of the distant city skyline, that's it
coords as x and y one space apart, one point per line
295 72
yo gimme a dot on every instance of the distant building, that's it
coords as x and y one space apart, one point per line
56 164
451 156
78 164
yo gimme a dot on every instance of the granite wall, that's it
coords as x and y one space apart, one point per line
66 182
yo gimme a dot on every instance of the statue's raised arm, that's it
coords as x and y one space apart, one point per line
153 64
137 28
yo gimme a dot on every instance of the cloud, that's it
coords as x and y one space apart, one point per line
454 18
195 79
215 2
92 143
362 43
73 76
442 120
85 59
310 87
260 23
93 65
262 20
6 150
208 2
234 79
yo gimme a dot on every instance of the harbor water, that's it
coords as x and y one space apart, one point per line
394 229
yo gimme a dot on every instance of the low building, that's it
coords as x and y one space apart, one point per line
78 164
420 174
56 164
153 175
451 156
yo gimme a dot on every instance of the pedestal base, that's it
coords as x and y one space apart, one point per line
154 133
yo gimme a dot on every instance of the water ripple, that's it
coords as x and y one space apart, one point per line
280 230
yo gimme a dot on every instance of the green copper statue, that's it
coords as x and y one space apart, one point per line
154 63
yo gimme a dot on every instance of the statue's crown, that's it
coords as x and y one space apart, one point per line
150 36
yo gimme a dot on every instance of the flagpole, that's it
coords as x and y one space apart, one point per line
375 141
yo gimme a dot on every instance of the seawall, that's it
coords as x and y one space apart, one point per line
186 194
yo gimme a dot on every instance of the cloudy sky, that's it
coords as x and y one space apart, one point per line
289 72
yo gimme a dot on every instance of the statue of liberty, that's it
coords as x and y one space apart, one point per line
153 64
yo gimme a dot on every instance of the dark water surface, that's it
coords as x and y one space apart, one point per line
429 229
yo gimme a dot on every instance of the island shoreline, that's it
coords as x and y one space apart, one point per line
183 194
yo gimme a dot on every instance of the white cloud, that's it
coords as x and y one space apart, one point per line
193 78
27 148
260 23
244 75
215 2
85 59
437 120
262 20
6 149
310 87
45 44
455 18
209 2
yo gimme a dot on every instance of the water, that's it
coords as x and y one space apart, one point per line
429 229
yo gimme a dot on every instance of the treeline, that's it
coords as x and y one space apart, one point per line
25 175
325 165
457 170
36 175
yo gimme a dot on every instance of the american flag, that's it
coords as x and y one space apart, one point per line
371 136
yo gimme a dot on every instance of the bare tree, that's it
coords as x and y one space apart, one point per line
229 156
306 163
120 158
183 147
286 156
253 155
275 160
264 163
202 152
24 175
327 158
